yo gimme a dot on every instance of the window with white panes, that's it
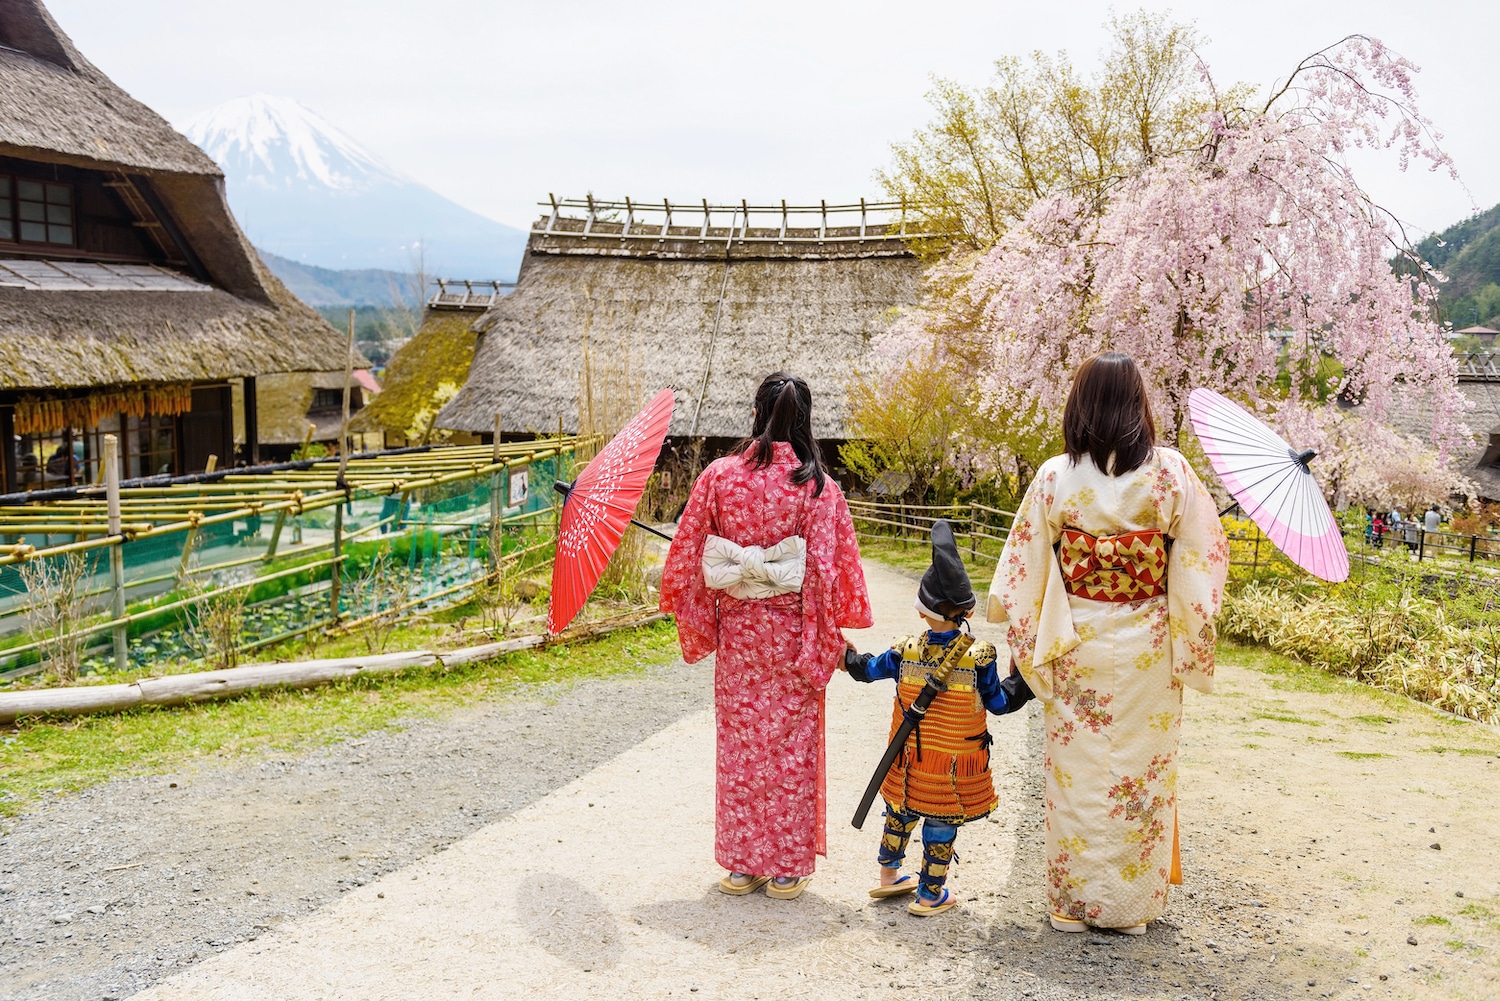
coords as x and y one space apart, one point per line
36 211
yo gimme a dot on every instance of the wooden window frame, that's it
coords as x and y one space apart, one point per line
14 205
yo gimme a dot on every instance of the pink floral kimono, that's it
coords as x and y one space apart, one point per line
1110 585
774 655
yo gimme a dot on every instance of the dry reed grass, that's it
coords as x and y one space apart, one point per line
56 609
1394 637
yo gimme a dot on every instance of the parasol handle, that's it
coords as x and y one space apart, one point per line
565 488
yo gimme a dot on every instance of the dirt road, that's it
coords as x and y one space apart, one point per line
1337 843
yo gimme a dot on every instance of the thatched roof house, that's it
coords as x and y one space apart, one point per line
706 299
426 372
129 298
298 407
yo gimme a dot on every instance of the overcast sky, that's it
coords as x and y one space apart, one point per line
495 104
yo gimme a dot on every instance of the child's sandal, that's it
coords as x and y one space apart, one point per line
904 885
923 909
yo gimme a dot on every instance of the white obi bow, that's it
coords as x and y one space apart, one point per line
753 572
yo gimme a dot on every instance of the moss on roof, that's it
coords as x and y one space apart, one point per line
422 376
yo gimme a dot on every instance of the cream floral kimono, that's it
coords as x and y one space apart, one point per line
1110 668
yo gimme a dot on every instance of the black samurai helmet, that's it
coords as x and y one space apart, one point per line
945 592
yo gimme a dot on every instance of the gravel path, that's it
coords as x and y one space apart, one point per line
105 892
1336 844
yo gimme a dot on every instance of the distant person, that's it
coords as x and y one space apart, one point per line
1378 527
1110 581
1432 520
1411 532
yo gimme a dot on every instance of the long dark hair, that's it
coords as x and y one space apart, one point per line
1108 413
783 412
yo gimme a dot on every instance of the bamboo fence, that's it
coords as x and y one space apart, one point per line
175 516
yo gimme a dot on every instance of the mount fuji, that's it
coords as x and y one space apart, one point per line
305 191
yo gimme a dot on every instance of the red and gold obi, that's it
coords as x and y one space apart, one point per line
1129 567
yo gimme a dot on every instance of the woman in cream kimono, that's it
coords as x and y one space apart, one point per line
1110 580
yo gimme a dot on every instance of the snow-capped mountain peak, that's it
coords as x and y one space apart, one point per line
280 143
304 190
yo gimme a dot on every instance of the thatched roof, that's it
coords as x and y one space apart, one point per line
54 101
57 108
54 339
283 403
652 309
422 376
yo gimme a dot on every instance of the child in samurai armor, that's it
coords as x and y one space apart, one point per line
942 776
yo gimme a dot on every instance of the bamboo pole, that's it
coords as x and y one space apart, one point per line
338 555
495 506
192 533
275 535
116 552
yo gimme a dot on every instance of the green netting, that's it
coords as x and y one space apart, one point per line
425 545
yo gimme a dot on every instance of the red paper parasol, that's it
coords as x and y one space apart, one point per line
599 504
1273 483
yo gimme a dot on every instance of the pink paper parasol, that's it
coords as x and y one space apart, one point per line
1272 482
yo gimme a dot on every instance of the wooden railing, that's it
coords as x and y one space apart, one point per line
743 223
458 293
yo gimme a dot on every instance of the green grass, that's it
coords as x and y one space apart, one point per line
1432 919
1288 675
40 757
1287 718
1478 752
1363 755
1373 720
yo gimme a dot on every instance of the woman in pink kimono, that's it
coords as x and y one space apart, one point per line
1110 581
764 571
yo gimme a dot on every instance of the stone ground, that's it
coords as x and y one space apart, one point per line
1336 844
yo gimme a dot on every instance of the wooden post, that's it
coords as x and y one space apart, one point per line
275 535
116 551
496 507
336 577
252 422
974 518
1473 544
344 423
191 535
1421 544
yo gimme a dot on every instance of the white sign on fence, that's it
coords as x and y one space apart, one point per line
519 487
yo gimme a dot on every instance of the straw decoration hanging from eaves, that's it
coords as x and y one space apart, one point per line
35 415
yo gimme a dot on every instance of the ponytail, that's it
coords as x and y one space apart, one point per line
783 412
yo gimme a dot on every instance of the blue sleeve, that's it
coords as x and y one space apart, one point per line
1000 696
872 667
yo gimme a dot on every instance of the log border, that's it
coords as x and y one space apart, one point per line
205 686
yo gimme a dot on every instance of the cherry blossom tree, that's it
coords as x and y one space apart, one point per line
1253 264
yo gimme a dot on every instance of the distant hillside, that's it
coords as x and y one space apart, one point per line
360 287
1469 254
